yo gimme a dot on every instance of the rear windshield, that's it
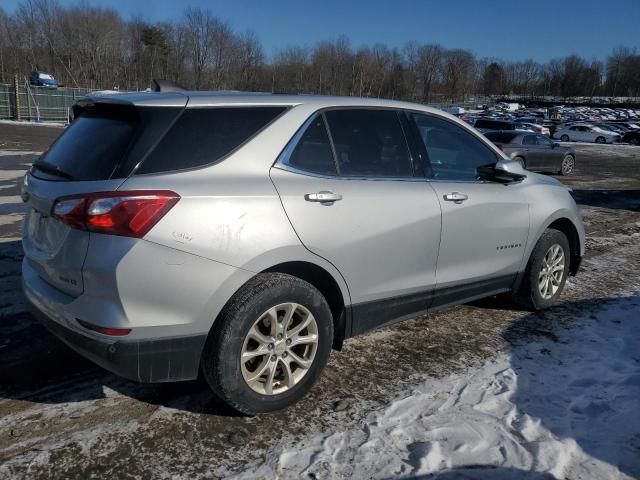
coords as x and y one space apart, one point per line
92 147
104 141
500 137
202 136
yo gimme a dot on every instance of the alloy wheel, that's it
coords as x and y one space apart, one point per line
552 271
567 165
279 349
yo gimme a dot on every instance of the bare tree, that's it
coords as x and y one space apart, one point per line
89 46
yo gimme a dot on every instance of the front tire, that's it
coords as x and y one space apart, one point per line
269 345
565 138
601 140
546 272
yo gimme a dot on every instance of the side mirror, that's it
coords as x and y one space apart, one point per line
504 171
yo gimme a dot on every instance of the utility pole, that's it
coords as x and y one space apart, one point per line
16 92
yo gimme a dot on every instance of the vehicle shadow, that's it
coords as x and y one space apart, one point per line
575 377
37 367
483 472
614 199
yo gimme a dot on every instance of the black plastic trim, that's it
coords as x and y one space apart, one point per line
370 315
149 361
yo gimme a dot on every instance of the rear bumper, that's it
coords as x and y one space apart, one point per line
167 298
162 360
147 358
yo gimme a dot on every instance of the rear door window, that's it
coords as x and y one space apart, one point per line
543 141
369 143
529 140
202 136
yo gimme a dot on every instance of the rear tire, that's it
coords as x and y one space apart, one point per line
635 141
565 138
538 289
568 163
244 342
601 140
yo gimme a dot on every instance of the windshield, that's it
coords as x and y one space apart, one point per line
45 76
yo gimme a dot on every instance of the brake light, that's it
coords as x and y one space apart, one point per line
126 213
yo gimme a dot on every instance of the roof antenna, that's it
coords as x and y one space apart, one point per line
165 86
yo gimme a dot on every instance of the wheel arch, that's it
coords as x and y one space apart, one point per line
325 282
566 226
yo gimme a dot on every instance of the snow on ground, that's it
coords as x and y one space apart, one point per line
568 405
32 124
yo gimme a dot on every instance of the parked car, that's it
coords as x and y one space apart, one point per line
41 79
244 235
535 127
632 137
535 152
487 124
629 126
583 132
528 120
612 127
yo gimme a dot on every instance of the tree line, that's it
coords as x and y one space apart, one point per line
94 47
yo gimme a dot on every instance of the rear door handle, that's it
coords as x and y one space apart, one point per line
456 197
324 197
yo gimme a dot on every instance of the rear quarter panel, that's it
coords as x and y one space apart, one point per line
230 212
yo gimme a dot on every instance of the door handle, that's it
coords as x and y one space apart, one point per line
456 197
325 197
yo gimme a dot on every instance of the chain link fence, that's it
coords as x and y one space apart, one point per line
38 104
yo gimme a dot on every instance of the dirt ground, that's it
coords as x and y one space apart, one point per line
63 417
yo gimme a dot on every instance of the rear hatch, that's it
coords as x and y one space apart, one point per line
96 153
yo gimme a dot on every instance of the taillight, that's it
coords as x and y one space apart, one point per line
127 213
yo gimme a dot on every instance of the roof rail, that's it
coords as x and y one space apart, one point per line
165 86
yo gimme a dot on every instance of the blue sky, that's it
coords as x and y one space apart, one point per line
511 29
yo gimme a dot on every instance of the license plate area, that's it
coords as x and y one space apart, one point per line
37 227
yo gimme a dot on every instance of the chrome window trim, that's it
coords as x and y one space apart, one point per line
282 161
289 168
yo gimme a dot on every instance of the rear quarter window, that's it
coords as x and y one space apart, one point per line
202 136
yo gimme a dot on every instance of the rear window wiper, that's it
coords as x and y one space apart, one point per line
51 169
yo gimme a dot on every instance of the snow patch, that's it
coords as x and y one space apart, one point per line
566 406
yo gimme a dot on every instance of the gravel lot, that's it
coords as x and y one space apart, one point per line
61 416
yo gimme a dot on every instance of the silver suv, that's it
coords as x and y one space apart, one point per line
245 235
